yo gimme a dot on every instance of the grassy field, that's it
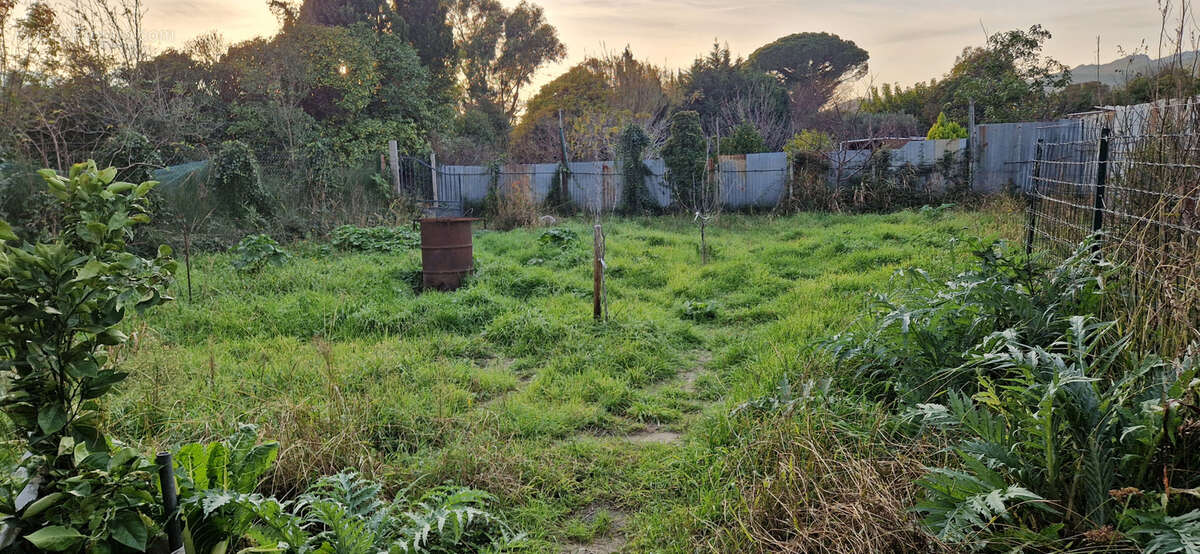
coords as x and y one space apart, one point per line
594 436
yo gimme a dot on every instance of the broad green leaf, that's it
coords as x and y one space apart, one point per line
120 188
66 445
128 529
40 505
90 269
10 531
192 462
55 538
218 466
107 175
112 337
144 188
256 462
93 232
80 453
6 232
83 368
52 418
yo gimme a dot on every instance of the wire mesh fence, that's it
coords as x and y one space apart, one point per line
1129 178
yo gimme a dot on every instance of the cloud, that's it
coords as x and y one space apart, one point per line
180 20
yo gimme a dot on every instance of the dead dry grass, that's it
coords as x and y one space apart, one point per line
821 486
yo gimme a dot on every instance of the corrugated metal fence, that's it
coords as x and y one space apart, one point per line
998 157
747 181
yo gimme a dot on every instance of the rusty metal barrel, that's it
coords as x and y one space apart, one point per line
446 251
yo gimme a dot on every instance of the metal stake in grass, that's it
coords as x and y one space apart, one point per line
597 272
166 478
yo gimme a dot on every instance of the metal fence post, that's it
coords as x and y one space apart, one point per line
166 478
1031 195
1101 182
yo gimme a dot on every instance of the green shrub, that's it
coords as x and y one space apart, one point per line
339 513
1055 432
635 196
375 239
560 237
945 129
923 335
685 157
745 139
699 311
61 304
237 182
255 252
216 483
1062 431
131 149
808 140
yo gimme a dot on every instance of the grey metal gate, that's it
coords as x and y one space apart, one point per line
439 194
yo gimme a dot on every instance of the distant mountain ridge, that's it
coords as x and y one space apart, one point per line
1117 72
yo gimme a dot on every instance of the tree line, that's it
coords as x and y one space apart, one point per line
294 123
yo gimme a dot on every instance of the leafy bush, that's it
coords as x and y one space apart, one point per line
237 181
1063 433
131 149
808 140
945 129
375 239
1059 430
339 513
560 237
635 196
61 304
744 140
256 252
923 336
216 489
935 212
699 311
684 154
345 513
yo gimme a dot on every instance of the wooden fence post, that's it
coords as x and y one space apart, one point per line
394 156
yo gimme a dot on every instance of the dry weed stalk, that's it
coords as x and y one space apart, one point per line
823 489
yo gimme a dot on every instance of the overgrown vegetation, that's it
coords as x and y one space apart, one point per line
69 486
1063 433
635 195
583 432
375 239
256 252
338 513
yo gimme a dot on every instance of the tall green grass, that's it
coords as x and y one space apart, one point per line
508 385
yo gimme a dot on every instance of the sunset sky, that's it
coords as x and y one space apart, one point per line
908 41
